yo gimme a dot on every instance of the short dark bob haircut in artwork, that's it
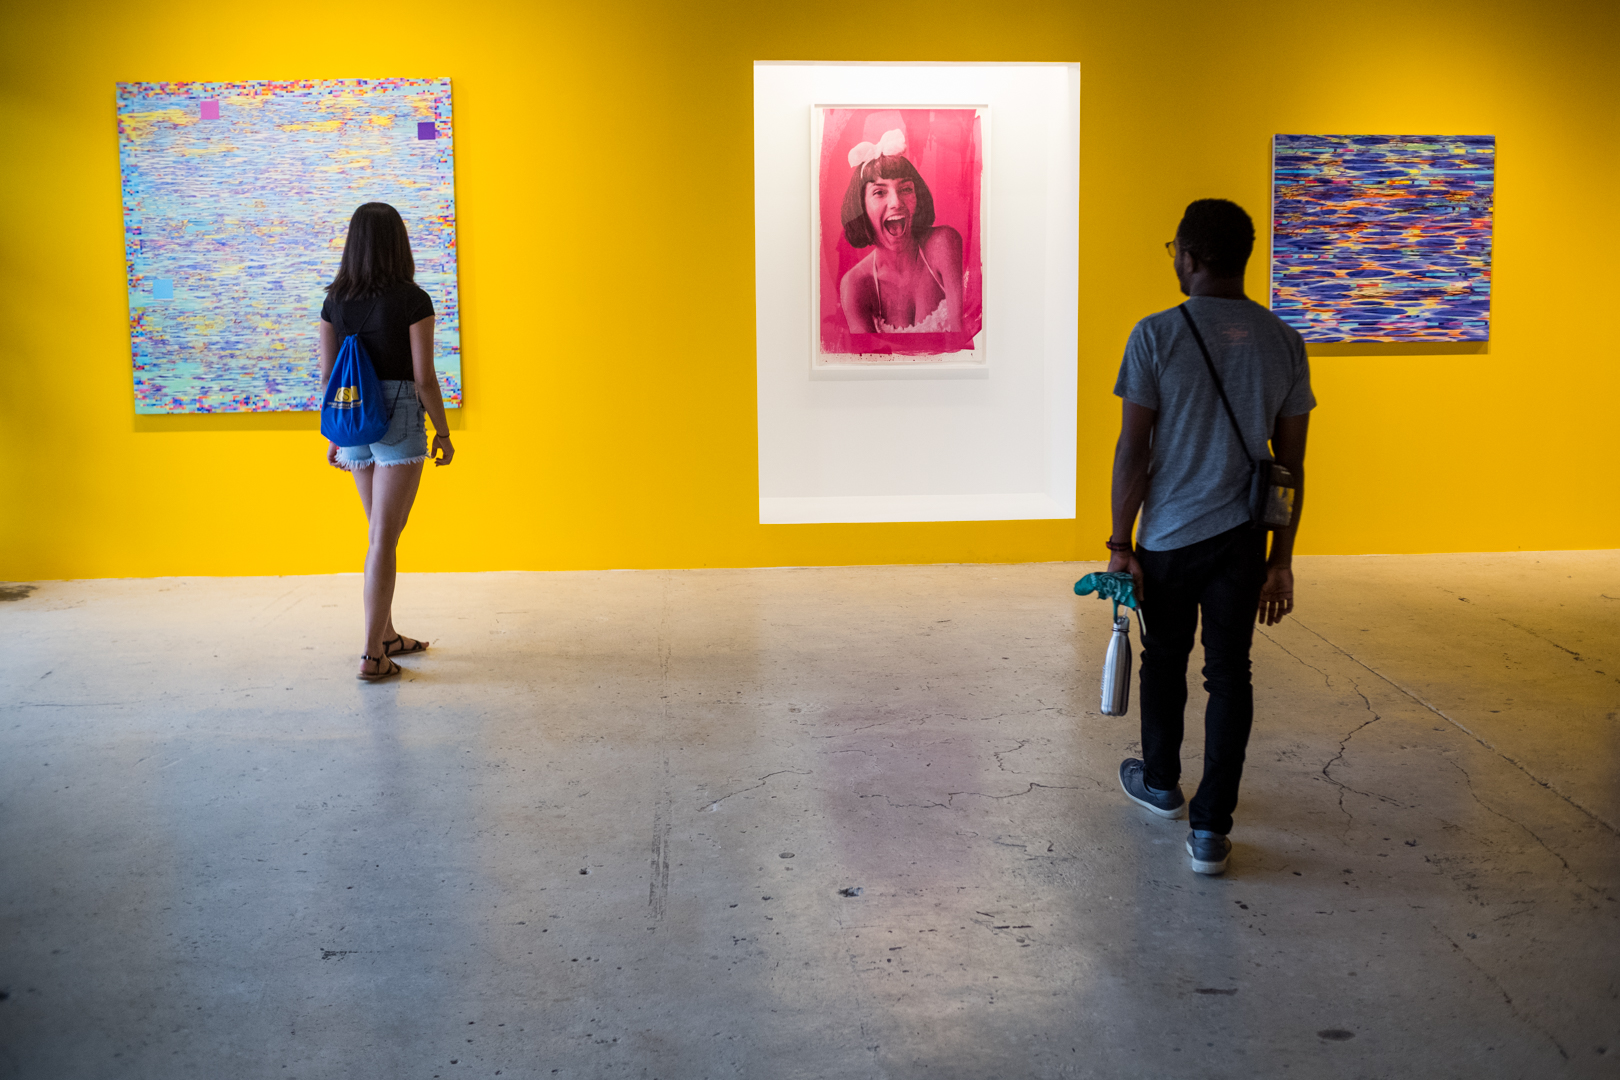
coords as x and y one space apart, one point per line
1219 234
376 254
857 229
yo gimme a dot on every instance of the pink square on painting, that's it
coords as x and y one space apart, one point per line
210 110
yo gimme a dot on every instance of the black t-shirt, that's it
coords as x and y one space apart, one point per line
383 323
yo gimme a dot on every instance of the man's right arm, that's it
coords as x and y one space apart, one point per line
1131 456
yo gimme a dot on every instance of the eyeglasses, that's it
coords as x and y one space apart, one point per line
1170 248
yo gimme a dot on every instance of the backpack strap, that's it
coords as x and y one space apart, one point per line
1230 415
337 309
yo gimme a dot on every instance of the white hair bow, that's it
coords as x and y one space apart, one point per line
892 144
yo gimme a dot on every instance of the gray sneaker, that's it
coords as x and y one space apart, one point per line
1169 805
1208 853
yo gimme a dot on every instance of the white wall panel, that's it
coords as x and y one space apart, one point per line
909 444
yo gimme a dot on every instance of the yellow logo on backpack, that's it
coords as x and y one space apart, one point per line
346 397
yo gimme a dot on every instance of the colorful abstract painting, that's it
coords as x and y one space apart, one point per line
898 234
1383 237
237 197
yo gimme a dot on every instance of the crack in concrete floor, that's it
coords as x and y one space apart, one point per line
1436 710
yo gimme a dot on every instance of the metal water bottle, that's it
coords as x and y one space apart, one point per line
1116 680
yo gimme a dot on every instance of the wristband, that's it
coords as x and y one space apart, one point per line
1122 547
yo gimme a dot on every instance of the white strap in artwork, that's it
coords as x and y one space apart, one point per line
932 323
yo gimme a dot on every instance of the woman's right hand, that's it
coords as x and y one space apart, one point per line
331 455
441 441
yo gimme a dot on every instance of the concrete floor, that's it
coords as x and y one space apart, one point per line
601 829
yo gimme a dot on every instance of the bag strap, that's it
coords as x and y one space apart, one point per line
337 310
1230 415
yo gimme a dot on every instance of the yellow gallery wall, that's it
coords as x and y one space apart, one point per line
605 203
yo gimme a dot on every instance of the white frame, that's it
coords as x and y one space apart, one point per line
970 364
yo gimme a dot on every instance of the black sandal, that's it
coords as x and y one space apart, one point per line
420 646
381 674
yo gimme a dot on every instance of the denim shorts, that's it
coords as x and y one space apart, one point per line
405 441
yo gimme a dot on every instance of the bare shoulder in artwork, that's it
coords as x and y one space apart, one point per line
857 294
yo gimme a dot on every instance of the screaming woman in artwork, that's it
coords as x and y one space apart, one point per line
375 295
911 283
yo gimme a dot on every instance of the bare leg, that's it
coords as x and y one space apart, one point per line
387 492
362 481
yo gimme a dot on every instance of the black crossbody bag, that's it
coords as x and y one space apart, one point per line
1271 486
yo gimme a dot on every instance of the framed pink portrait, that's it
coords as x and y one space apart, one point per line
898 236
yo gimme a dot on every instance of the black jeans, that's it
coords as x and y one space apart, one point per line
1222 577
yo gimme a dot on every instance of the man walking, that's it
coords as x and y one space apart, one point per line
1182 464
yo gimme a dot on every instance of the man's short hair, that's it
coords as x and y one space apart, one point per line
1219 234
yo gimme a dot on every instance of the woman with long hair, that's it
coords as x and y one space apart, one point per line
912 281
375 295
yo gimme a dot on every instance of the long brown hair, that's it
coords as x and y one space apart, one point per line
376 254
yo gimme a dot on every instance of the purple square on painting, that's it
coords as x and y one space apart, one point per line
426 129
210 110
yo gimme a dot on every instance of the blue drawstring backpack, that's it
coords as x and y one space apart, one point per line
353 412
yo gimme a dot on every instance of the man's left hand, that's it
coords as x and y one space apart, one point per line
1277 596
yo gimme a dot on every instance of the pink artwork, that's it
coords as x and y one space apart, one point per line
898 251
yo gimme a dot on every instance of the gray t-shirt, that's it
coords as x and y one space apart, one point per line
1198 477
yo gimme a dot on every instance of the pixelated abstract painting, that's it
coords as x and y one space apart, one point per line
236 199
1383 237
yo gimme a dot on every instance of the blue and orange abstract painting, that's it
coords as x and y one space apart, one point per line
237 197
1383 237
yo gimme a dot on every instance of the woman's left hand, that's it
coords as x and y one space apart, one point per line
441 441
331 455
